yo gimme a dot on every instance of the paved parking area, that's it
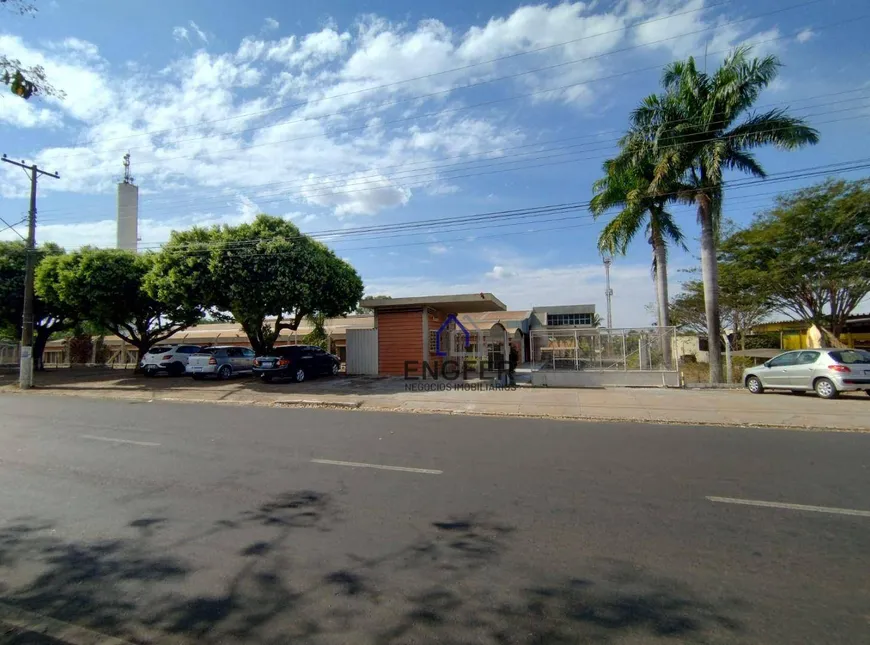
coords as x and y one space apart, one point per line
713 407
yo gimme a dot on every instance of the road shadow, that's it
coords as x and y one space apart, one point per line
463 580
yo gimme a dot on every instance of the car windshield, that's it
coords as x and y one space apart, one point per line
207 351
849 356
159 350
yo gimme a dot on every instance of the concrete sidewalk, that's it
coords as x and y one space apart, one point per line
713 407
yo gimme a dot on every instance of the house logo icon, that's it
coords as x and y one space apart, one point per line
445 325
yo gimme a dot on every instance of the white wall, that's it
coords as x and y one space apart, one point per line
128 217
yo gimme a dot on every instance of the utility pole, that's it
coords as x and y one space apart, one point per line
25 375
608 292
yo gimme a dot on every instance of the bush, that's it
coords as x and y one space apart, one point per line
765 340
80 349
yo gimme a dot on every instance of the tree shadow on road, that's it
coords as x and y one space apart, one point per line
463 580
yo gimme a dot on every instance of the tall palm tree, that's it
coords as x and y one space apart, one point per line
694 133
626 185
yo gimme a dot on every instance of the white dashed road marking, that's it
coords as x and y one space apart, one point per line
401 469
790 507
113 440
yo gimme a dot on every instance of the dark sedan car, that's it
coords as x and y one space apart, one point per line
299 362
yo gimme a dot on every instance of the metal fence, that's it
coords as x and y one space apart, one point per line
649 349
8 354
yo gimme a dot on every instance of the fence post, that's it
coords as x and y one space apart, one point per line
624 354
576 352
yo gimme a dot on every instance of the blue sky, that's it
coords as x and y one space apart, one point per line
346 114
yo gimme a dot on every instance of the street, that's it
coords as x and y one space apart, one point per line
184 523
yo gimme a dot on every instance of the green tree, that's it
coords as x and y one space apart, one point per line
107 288
810 254
267 274
626 186
318 336
365 310
741 305
701 127
49 317
22 80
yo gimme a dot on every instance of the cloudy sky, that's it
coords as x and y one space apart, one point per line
342 114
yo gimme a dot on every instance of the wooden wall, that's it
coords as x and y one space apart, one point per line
400 339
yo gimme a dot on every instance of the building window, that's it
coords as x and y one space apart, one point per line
565 320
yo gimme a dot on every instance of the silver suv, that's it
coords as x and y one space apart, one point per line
171 359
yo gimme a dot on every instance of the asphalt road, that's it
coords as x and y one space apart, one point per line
158 522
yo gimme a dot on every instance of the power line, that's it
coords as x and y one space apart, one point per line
462 108
426 174
416 182
464 221
322 181
433 74
487 153
12 227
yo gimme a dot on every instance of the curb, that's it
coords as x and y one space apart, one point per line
364 407
315 403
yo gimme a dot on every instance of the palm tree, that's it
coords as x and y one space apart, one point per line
694 133
626 185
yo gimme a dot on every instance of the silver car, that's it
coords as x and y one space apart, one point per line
827 371
221 362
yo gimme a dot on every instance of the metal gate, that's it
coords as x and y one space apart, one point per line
362 351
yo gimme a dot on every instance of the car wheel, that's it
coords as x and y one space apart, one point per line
335 369
826 389
300 375
753 384
225 372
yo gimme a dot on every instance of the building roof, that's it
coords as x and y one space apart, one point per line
454 303
854 318
231 332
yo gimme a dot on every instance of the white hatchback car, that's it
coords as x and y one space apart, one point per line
171 359
827 371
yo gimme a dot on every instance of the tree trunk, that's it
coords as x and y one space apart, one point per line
710 275
661 255
140 354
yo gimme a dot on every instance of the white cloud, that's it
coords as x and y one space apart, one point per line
270 24
19 113
805 35
260 122
358 195
499 273
180 33
199 32
438 249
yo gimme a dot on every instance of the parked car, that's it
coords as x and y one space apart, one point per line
167 358
299 362
220 362
827 371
